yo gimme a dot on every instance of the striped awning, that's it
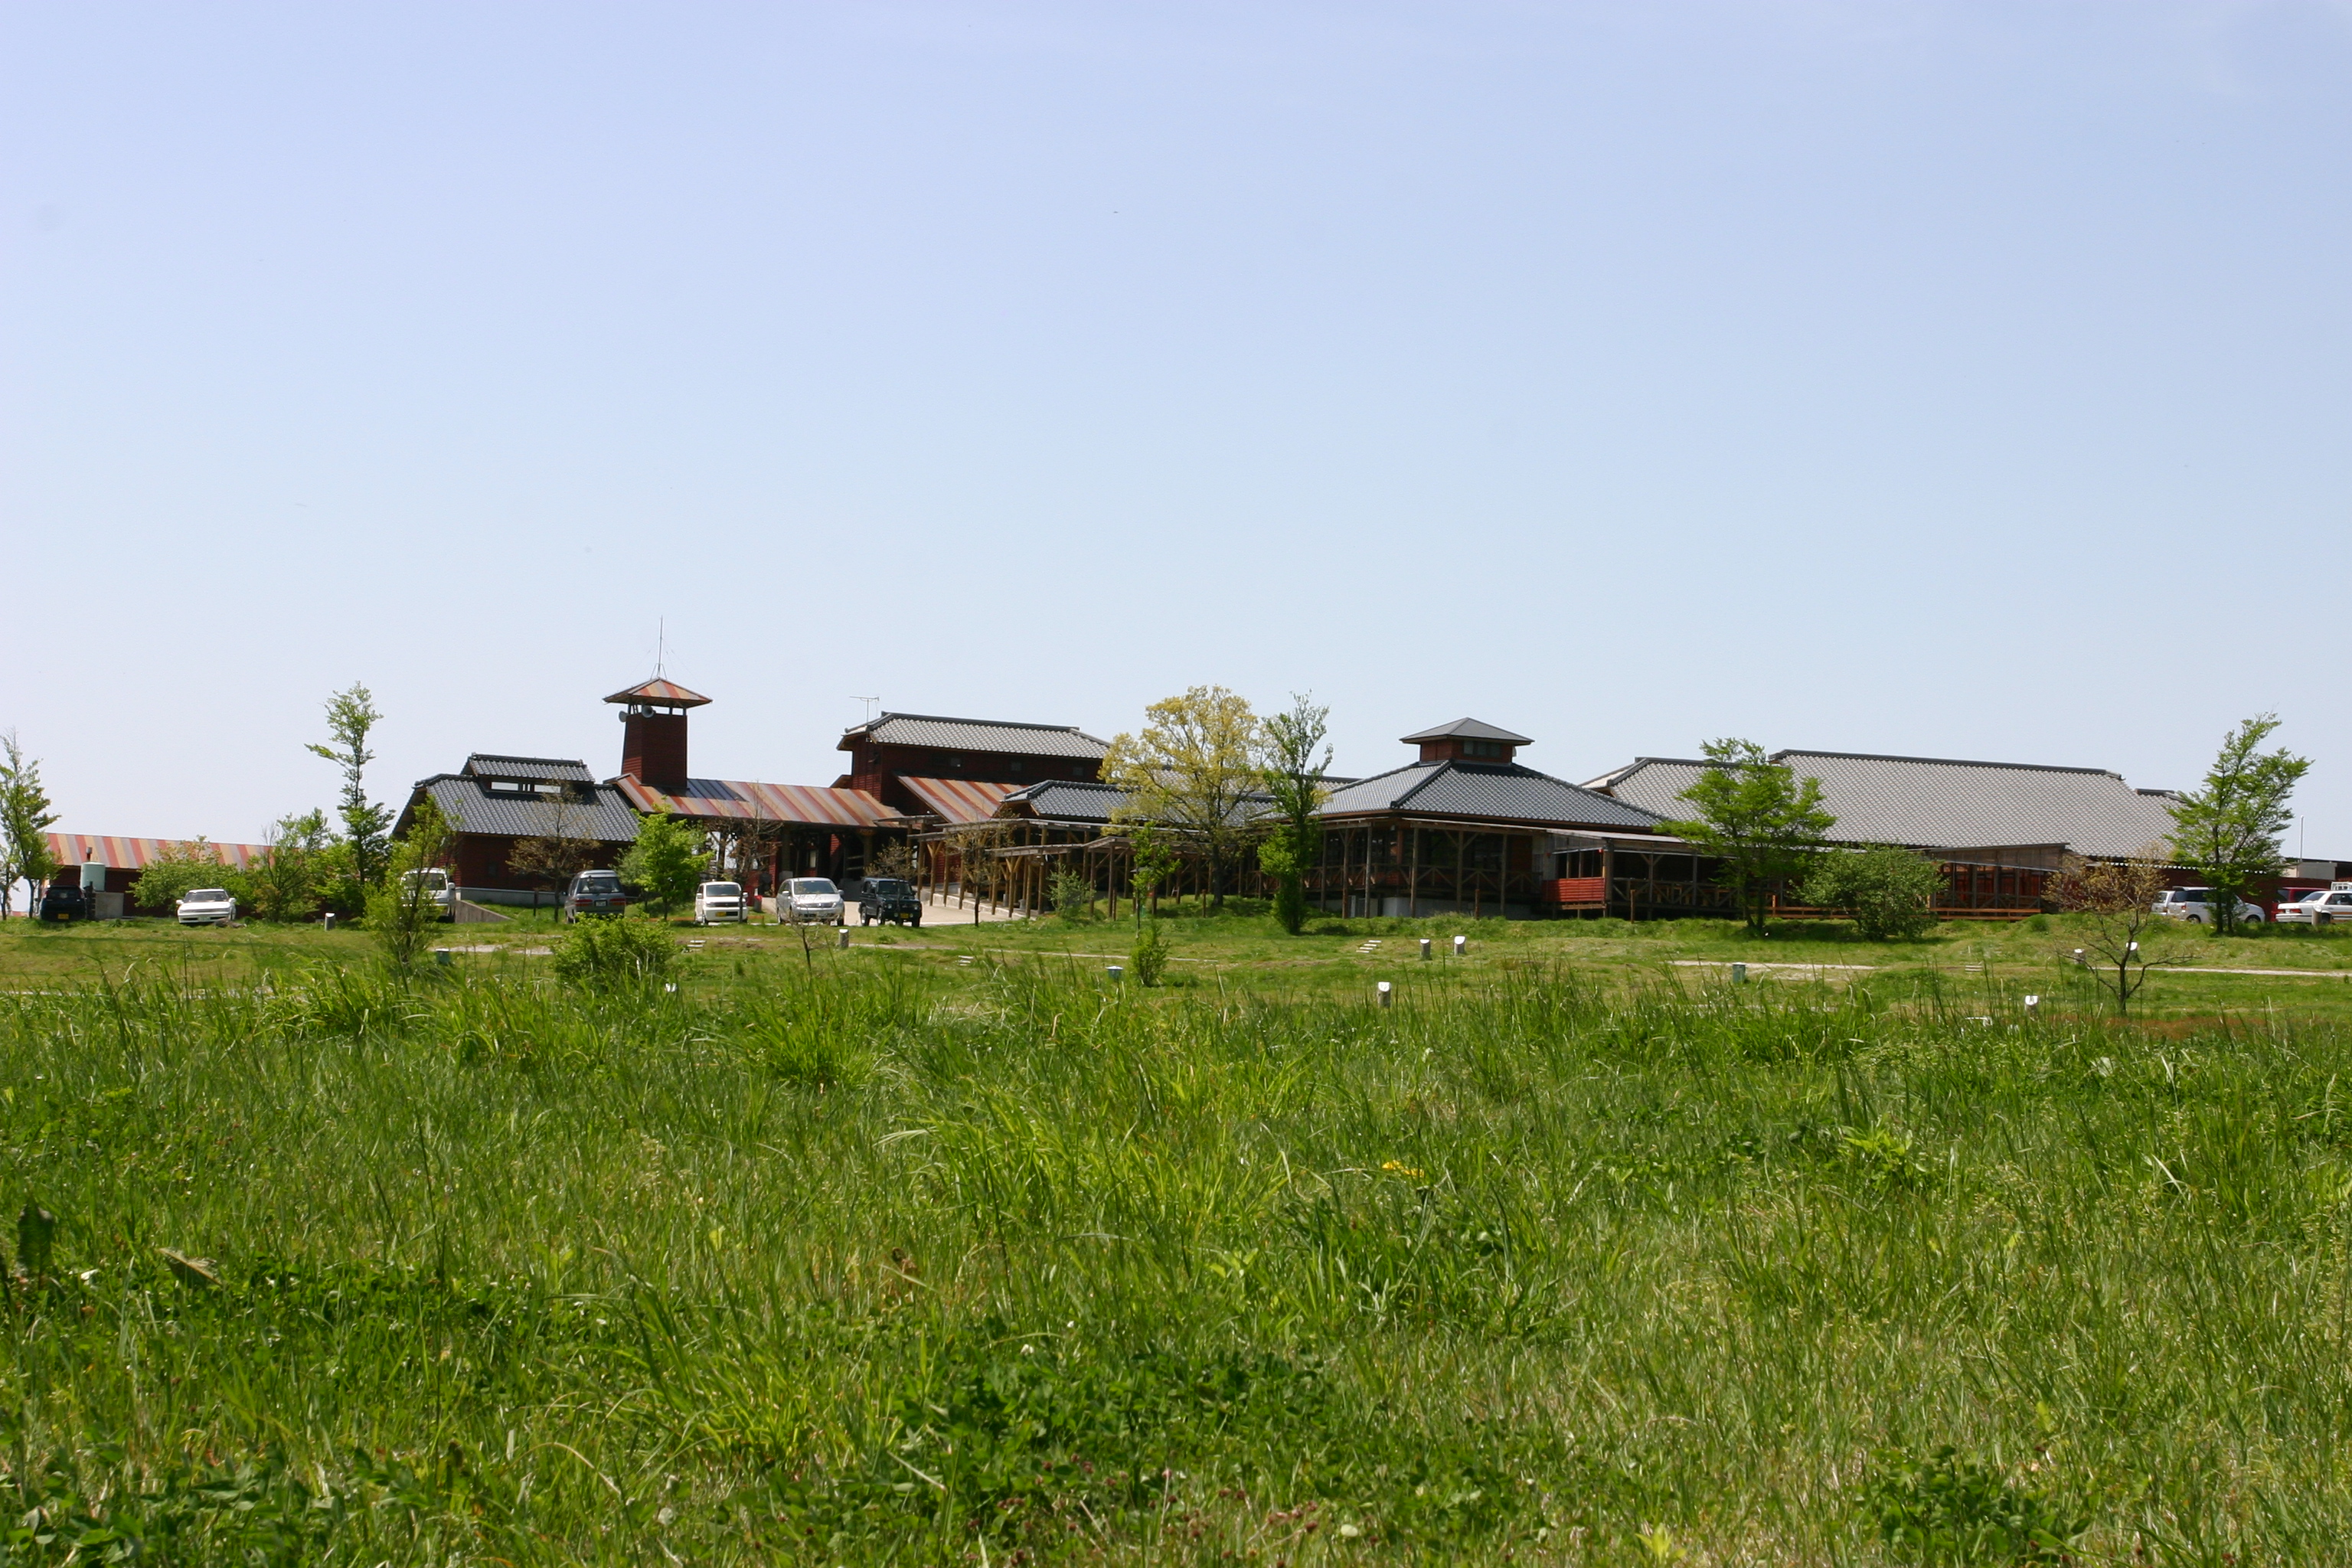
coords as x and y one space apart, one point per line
958 801
138 854
808 805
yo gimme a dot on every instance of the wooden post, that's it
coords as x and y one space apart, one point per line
1413 877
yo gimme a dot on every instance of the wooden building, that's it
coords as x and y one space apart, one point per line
496 801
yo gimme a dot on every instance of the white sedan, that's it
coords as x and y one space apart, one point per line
718 901
2319 909
207 907
810 901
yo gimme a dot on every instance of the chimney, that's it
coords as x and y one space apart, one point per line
653 733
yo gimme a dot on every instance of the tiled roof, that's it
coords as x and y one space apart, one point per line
1467 730
1068 800
1939 803
659 693
72 849
1490 791
492 766
976 735
472 807
958 801
807 805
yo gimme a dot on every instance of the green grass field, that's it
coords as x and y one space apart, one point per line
1577 1253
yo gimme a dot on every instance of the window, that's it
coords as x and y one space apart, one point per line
1482 748
507 784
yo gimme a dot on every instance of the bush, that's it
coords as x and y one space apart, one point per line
625 950
1150 959
180 869
1072 894
666 862
1886 891
1949 1509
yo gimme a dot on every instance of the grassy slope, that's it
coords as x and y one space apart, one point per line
896 1257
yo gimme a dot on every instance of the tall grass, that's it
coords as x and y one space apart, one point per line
879 1267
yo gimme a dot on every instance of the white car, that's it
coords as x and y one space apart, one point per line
2196 904
437 889
2319 909
810 901
207 907
719 901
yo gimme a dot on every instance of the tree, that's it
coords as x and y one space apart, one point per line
285 886
893 858
1292 774
1193 769
2117 899
367 826
25 819
979 869
564 845
1757 818
179 869
400 910
2230 831
1885 890
667 860
1151 861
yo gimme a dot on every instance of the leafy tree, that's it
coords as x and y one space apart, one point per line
285 886
895 858
2230 832
182 867
1886 891
1193 769
2121 927
401 910
1755 816
25 819
1151 861
565 844
666 862
1292 774
367 826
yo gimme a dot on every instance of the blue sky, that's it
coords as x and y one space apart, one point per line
1964 380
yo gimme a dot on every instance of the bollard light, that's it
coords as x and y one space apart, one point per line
1114 971
2033 1007
1460 942
1387 995
331 920
1739 974
1425 950
440 955
845 939
2078 959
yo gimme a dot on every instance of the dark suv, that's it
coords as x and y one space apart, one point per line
64 901
595 893
890 898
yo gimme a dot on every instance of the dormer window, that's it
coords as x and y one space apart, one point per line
1483 749
509 785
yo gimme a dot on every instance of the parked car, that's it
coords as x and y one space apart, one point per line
2197 904
810 901
2319 909
889 898
593 893
207 907
438 892
64 901
719 901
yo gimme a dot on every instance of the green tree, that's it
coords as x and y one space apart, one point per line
179 869
1151 861
1193 769
1885 890
25 819
1293 774
367 826
1757 818
2230 832
666 862
404 908
285 886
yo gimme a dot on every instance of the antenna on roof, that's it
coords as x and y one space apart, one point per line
661 646
869 702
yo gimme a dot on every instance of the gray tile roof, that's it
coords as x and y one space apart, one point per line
469 802
1068 800
1937 803
977 735
492 766
1467 730
1491 791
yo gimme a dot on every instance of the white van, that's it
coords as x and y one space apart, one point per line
718 901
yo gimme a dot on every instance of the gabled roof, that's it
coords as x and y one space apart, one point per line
1067 800
798 806
958 801
1939 803
597 813
660 693
975 735
1486 791
492 766
1467 730
71 850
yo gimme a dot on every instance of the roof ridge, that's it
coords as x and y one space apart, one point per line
985 724
1943 761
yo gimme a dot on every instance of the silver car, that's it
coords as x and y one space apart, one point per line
2197 905
810 901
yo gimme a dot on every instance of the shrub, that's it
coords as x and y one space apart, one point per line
1073 895
180 869
1947 1509
1886 891
628 949
1150 959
